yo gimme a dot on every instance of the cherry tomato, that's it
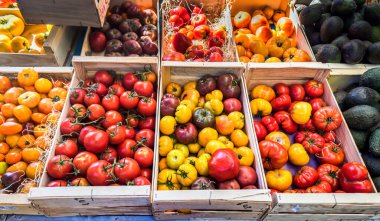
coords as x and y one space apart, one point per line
126 170
144 157
145 136
147 106
83 160
109 155
129 100
147 123
99 173
59 166
112 118
91 98
111 102
95 111
127 148
67 147
143 88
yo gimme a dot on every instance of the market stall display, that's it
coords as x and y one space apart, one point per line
31 103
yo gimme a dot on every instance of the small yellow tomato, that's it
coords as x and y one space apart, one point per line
237 118
279 137
215 94
43 85
226 142
191 94
175 158
207 134
183 114
174 89
301 112
183 148
202 164
165 145
245 156
12 140
279 179
214 145
200 152
215 106
186 174
201 102
189 86
260 107
162 164
298 155
264 92
194 147
188 103
167 125
239 138
191 160
29 99
167 180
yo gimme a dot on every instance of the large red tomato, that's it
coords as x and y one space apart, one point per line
329 173
309 126
147 106
112 118
281 88
83 160
146 137
353 178
273 154
313 143
223 165
103 77
281 102
116 134
67 147
59 166
327 118
326 186
96 141
111 102
126 170
127 148
109 155
144 157
300 136
314 88
284 119
316 104
270 123
99 173
260 130
305 177
129 100
331 153
297 92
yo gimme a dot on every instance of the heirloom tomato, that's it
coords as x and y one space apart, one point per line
279 137
263 91
183 114
284 119
239 138
174 89
279 179
207 134
354 171
315 189
300 112
165 145
175 158
201 164
331 153
260 130
324 185
100 173
186 174
245 156
29 99
281 88
214 145
167 180
329 173
309 126
313 143
314 88
223 165
298 155
167 125
191 94
297 92
224 125
215 106
215 94
237 119
260 107
327 118
281 103
270 123
305 177
330 136
273 154
316 104
59 166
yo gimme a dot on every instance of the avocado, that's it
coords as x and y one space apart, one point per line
327 53
319 23
375 34
362 95
372 163
310 14
300 7
326 4
376 181
309 30
303 2
361 117
373 53
314 39
360 30
343 7
349 20
360 138
359 3
331 28
340 41
353 51
371 79
371 13
340 96
374 143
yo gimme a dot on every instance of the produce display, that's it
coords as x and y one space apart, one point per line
346 31
128 30
203 144
30 106
361 110
8 4
299 148
266 35
108 135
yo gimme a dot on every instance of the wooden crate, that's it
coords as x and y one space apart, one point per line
68 12
287 206
93 200
88 55
299 33
19 203
222 204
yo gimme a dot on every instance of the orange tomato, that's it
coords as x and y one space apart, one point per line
277 15
58 103
39 118
10 128
4 148
22 113
43 96
7 110
40 130
27 77
277 45
296 55
46 105
264 33
257 22
80 182
5 84
242 39
58 83
43 85
31 154
248 54
268 12
240 50
2 157
19 166
26 141
42 142
34 169
272 60
263 91
12 140
13 156
258 58
29 99
11 96
257 12
30 88
258 47
57 92
244 59
285 26
2 119
239 138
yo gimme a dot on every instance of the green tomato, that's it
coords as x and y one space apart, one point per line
175 158
3 167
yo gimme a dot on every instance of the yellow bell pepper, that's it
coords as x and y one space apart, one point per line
260 107
301 112
215 94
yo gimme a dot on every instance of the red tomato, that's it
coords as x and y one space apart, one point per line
141 181
116 89
129 81
59 166
126 170
130 133
116 134
132 120
223 165
297 92
57 183
273 154
330 136
353 178
300 136
96 141
316 104
305 177
67 147
84 132
309 126
331 153
281 103
146 172
129 100
147 106
146 137
273 191
69 126
109 155
99 88
315 189
77 96
103 77
313 144
144 157
270 123
91 98
339 191
327 118
112 118
329 173
231 184
247 176
285 120
260 130
77 111
111 102
99 173
281 88
324 185
95 111
147 123
314 88
83 160
232 104
143 88
87 82
127 148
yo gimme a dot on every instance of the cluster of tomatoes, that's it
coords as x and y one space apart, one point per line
202 143
108 135
29 105
300 111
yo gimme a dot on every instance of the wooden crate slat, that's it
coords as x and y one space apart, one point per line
317 217
101 210
204 214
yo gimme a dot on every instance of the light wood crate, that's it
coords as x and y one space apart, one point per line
68 12
304 206
93 200
222 204
19 203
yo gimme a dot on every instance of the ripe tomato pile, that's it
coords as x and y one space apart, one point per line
29 107
108 135
300 111
202 143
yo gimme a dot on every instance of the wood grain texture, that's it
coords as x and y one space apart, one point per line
317 217
204 214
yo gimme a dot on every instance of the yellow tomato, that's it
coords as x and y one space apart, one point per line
215 94
214 145
22 113
165 145
191 94
190 160
301 112
187 174
207 134
57 92
202 164
183 148
237 118
200 152
279 137
239 138
226 142
260 107
245 156
12 140
194 147
215 106
11 24
279 179
224 125
298 155
188 103
29 99
183 114
175 158
190 85
43 85
174 89
264 92
167 125
163 164
27 77
167 180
